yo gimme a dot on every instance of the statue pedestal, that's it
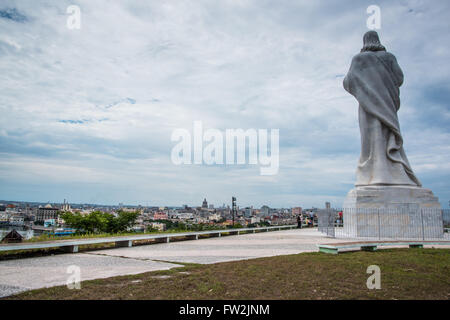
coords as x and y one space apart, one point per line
392 212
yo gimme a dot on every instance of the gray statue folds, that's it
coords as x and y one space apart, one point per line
374 80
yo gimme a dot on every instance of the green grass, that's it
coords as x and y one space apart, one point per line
405 274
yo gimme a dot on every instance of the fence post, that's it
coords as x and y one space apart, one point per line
379 225
423 230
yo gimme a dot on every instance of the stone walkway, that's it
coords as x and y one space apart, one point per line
33 273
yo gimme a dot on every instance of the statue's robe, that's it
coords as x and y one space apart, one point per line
374 80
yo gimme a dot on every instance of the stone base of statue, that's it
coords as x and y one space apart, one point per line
392 212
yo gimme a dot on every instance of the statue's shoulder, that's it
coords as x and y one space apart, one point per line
358 58
387 55
359 55
362 58
370 56
364 55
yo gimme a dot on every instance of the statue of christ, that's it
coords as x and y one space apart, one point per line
374 79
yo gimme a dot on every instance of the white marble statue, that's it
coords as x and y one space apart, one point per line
374 80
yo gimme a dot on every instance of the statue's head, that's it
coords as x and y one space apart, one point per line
372 42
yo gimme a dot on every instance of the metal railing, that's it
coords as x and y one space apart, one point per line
127 241
401 223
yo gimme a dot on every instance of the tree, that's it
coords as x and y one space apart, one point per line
97 221
122 222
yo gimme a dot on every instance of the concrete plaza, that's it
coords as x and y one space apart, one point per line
39 272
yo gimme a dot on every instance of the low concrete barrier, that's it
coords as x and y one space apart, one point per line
127 241
372 246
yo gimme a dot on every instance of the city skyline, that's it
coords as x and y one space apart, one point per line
223 205
87 115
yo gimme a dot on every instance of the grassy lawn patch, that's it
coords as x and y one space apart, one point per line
405 274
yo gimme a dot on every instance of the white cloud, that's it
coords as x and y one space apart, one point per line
94 108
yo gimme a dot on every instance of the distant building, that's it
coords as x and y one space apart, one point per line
205 204
13 236
227 222
255 220
242 221
160 216
264 210
183 215
158 226
65 206
296 211
215 217
11 209
47 212
4 218
49 223
16 220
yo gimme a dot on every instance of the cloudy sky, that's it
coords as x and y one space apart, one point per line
87 115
